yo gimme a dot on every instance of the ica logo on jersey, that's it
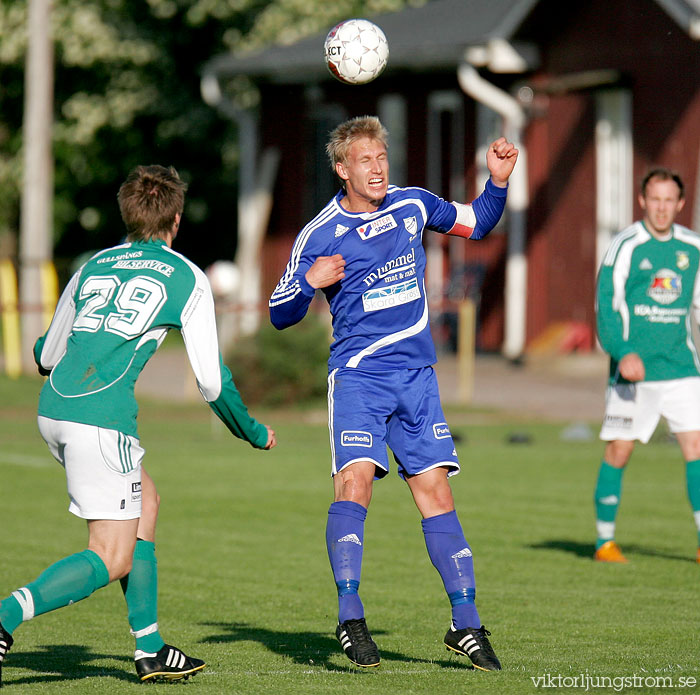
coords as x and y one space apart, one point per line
665 286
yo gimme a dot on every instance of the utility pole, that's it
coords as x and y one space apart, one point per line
35 247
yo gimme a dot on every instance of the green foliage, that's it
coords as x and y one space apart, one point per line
245 583
287 21
282 368
127 92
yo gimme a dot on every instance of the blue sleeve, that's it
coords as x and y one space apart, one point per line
290 308
291 298
488 208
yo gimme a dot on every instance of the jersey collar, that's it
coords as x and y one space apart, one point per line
664 237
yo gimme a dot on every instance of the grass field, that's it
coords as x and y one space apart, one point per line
245 582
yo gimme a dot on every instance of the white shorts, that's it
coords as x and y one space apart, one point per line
103 468
632 411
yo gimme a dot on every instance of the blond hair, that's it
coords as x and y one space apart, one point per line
349 132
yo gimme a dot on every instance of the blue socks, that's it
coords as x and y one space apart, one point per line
67 581
607 500
448 550
452 557
345 532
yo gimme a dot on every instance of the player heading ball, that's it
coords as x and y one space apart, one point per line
364 251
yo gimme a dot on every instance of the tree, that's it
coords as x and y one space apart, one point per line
127 91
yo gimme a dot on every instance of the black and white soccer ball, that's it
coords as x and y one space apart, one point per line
356 51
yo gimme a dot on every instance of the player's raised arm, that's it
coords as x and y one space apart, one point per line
476 220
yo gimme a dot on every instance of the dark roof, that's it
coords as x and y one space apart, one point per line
686 13
433 36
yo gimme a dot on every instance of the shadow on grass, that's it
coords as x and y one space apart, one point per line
61 663
312 648
565 546
586 550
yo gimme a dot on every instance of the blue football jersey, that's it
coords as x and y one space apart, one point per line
380 308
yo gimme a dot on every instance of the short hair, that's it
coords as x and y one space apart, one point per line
342 137
149 200
663 174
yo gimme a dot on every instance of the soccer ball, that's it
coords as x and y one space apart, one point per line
224 278
356 51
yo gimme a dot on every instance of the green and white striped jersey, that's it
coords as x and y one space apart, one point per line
648 293
114 313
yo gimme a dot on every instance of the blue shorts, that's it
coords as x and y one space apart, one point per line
368 411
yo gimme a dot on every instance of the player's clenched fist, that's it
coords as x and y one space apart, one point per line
326 271
631 367
500 159
271 439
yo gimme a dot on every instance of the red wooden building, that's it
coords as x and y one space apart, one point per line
593 91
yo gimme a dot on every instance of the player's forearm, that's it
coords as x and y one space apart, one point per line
611 328
610 336
38 346
231 410
289 306
489 207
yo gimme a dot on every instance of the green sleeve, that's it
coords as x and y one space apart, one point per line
231 410
609 320
38 347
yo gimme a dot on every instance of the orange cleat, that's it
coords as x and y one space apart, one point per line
610 552
697 557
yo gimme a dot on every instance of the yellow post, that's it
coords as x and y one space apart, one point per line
11 336
49 292
466 342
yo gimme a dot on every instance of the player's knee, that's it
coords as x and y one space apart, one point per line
618 452
119 569
118 565
436 501
444 502
151 503
353 488
356 491
116 556
690 445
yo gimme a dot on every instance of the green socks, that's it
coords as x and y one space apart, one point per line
140 589
76 577
692 478
607 500
67 581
